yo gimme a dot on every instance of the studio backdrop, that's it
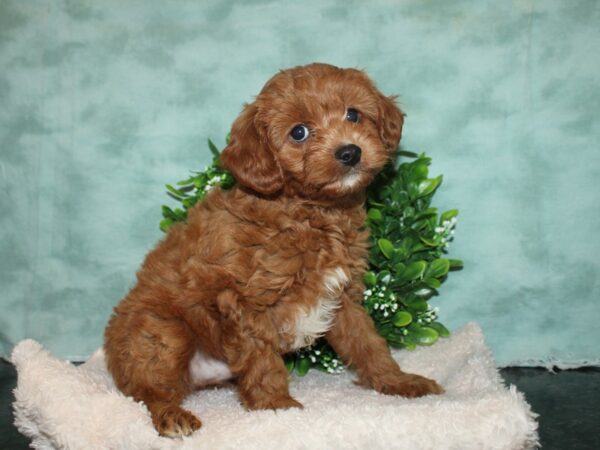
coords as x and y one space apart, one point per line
103 103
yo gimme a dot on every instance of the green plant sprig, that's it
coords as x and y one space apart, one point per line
406 261
193 189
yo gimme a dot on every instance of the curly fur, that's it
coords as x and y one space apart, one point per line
270 265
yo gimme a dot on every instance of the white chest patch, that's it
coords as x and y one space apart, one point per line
314 323
207 370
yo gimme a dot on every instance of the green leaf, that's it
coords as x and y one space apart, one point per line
375 215
402 318
419 305
413 190
165 224
386 247
409 343
180 214
384 276
289 364
413 271
429 212
437 268
448 215
176 192
407 154
441 329
433 283
429 242
424 292
396 343
302 366
370 278
425 336
168 213
456 264
426 187
187 182
384 329
420 171
213 149
375 203
399 268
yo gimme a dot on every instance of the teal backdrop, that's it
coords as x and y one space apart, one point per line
103 103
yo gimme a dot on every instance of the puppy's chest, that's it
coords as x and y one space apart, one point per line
314 314
312 302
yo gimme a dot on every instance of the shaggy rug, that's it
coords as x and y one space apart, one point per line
62 406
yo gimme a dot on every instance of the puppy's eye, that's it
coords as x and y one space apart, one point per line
300 133
352 115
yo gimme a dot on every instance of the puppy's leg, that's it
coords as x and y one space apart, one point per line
263 379
148 354
354 337
248 346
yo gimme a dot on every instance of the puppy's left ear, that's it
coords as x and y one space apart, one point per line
249 156
389 122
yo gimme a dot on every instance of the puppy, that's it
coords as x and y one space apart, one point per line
271 265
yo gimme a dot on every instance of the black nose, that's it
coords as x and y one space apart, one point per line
349 155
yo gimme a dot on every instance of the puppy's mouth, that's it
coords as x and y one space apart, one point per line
352 178
349 156
351 170
355 179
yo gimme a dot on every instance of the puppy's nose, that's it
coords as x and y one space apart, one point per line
348 155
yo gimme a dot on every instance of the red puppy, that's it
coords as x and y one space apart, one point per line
271 265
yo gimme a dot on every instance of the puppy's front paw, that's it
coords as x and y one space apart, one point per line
271 402
174 421
410 385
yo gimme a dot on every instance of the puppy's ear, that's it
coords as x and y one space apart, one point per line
249 157
390 122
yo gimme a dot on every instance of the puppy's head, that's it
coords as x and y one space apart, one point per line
316 131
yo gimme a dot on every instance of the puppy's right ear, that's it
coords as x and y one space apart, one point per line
249 157
390 122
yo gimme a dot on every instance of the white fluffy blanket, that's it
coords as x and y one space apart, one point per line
61 406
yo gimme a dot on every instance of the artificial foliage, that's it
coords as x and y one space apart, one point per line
407 259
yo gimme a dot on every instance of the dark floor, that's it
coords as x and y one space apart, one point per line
568 403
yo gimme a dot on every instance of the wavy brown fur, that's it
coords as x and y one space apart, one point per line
234 278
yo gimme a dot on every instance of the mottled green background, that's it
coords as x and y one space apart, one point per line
103 102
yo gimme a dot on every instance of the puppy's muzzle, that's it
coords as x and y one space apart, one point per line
348 155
